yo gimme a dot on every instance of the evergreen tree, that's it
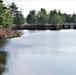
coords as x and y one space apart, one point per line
18 18
4 16
12 9
55 17
32 17
42 16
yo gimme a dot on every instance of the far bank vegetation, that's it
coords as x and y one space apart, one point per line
11 17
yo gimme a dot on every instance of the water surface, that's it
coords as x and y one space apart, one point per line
41 53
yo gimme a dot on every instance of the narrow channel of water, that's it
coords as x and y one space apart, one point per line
40 53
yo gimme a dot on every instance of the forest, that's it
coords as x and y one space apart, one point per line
10 15
53 17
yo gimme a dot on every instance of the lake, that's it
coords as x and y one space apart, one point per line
39 53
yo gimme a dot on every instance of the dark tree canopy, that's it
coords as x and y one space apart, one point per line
18 18
5 18
53 17
32 17
10 15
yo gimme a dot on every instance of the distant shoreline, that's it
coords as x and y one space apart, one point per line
10 31
38 27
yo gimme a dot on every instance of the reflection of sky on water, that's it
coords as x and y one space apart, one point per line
42 52
22 64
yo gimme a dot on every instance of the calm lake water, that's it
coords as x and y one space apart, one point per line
40 53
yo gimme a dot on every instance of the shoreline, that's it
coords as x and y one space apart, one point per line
37 27
4 34
10 32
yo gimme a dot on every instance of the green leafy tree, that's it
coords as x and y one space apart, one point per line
55 17
32 17
74 18
18 18
69 18
42 16
5 18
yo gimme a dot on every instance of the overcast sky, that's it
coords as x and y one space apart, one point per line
67 6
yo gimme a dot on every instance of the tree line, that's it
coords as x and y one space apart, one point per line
11 15
53 17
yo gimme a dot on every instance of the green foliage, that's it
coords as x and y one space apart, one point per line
37 18
16 15
74 18
32 17
18 18
1 1
12 9
42 19
42 16
11 15
5 18
54 17
13 6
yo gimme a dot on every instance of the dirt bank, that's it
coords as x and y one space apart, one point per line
7 33
2 33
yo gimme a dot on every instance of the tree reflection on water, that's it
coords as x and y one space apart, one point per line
3 56
2 44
